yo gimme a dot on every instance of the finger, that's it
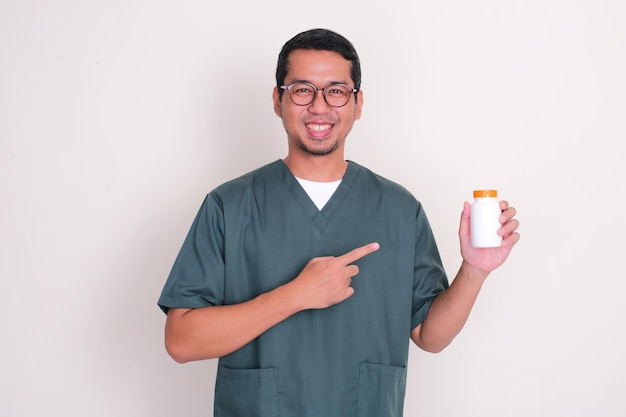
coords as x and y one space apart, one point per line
351 271
358 253
465 213
510 241
509 227
507 215
464 226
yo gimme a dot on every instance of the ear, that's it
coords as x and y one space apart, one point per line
359 105
276 98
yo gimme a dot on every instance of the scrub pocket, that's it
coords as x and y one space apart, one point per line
381 390
246 392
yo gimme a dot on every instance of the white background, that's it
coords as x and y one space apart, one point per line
117 117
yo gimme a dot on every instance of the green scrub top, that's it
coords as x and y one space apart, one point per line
257 232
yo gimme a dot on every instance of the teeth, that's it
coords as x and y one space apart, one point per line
318 128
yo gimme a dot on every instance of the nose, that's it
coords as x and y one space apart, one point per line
319 104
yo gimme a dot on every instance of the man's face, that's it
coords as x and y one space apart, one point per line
317 128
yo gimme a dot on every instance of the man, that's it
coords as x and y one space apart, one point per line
267 279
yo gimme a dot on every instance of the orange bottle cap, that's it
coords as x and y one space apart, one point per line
485 193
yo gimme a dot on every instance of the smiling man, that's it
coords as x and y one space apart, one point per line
318 123
309 276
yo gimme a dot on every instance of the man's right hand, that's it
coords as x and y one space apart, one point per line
326 281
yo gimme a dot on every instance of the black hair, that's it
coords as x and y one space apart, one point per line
323 40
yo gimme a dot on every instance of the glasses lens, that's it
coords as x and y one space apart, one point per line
337 95
302 94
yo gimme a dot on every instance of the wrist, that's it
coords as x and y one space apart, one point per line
473 273
288 297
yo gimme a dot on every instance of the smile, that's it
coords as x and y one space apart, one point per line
318 128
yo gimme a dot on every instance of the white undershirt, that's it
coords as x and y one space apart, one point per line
319 192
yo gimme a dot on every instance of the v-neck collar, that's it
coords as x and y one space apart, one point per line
319 218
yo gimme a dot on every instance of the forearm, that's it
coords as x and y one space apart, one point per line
450 310
210 332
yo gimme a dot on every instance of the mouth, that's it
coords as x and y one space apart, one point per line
319 128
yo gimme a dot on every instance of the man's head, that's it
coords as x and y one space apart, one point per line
321 72
323 40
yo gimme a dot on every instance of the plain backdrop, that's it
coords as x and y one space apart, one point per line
117 117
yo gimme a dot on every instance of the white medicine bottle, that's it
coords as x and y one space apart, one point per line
484 219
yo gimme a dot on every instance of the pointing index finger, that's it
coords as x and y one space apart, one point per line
358 253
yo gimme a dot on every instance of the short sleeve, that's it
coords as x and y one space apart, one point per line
429 276
197 276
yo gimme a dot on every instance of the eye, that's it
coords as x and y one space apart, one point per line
337 91
302 89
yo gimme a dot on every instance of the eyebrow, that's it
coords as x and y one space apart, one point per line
312 83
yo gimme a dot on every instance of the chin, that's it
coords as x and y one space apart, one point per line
317 150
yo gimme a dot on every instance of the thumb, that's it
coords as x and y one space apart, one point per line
464 226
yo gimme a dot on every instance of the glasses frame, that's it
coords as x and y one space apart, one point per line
316 89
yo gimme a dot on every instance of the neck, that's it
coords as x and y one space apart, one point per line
324 168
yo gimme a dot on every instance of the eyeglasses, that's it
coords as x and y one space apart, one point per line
303 94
